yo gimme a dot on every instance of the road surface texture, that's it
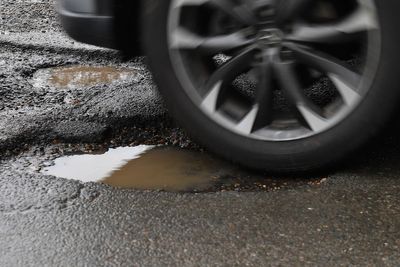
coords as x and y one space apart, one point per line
347 217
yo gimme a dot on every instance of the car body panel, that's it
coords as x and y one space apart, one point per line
105 23
88 21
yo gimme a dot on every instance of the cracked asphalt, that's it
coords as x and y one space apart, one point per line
350 216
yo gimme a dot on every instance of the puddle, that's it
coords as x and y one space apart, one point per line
143 167
75 77
165 168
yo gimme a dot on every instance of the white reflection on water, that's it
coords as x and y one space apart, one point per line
94 168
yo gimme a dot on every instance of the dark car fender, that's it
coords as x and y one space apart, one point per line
107 23
127 26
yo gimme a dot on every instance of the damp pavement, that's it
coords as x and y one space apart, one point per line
350 216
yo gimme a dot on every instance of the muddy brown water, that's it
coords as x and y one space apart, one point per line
168 169
81 76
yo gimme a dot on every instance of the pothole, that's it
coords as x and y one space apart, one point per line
81 76
165 168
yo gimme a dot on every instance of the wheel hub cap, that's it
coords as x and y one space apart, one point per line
268 38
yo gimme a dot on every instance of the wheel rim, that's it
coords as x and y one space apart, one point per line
275 70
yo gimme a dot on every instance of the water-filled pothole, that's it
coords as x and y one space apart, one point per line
165 168
81 76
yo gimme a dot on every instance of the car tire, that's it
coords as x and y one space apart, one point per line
319 150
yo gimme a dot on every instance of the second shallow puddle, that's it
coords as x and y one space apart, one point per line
81 76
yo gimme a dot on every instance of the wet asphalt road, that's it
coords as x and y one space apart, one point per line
347 217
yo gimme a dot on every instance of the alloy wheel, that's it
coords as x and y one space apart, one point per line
275 70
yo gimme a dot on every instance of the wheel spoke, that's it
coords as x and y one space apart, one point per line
289 9
184 39
225 74
246 125
362 20
210 101
314 120
239 12
264 95
345 79
260 114
348 93
309 113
